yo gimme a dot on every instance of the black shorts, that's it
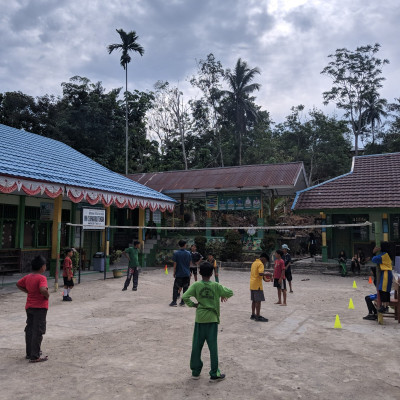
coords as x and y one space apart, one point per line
67 282
193 270
280 286
288 274
385 296
257 295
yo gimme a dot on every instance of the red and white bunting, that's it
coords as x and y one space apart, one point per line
77 195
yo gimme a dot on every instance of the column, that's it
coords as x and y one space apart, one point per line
385 227
324 247
260 219
208 224
19 243
55 241
142 216
107 234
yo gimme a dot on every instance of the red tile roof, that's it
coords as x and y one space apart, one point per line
373 182
285 176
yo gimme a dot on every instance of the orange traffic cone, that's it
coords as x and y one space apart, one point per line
166 269
370 280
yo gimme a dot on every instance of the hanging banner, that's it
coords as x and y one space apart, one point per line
233 201
93 218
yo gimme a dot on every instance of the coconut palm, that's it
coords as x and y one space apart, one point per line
128 44
239 81
375 109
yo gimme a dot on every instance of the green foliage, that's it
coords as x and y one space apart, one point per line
269 243
200 242
75 260
233 247
215 247
115 256
356 78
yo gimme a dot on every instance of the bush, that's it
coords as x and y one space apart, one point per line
269 243
233 247
215 247
200 242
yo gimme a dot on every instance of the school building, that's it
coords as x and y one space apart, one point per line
369 192
45 184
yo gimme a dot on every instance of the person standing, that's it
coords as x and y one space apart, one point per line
132 253
288 265
213 262
208 295
256 287
279 277
312 244
37 304
196 258
68 274
382 258
181 259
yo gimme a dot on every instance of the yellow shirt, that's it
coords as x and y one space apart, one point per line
257 268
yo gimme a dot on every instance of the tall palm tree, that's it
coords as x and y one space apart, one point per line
375 109
128 44
239 81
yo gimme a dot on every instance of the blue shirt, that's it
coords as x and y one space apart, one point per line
182 258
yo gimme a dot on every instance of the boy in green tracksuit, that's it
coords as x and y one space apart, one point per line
208 295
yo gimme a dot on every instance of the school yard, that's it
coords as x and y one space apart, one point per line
109 344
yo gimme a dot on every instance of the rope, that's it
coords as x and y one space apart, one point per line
194 228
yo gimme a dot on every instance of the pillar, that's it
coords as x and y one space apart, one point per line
182 209
142 216
208 224
385 227
260 219
107 233
55 241
71 238
324 247
20 223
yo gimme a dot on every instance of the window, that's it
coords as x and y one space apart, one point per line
394 227
360 233
37 233
8 225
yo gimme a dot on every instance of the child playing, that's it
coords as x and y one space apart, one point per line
68 274
213 262
208 295
132 253
384 262
196 258
37 304
279 277
256 287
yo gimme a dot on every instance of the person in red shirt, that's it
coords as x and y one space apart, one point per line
279 277
68 274
37 304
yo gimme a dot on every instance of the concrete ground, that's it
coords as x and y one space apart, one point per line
131 345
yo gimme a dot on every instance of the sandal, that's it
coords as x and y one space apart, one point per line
40 359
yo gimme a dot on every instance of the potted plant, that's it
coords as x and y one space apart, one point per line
115 257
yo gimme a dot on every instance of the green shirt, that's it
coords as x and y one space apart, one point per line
208 296
133 254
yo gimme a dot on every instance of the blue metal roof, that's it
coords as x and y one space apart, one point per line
29 156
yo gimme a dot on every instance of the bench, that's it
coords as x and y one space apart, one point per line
394 302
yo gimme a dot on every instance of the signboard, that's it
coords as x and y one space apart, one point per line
46 211
234 201
93 218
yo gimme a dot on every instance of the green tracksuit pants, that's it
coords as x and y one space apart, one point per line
204 332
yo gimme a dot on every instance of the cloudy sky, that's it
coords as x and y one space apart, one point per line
45 42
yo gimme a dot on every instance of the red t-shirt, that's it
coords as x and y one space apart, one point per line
279 267
32 283
67 267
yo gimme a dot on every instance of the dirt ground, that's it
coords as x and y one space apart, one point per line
131 345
